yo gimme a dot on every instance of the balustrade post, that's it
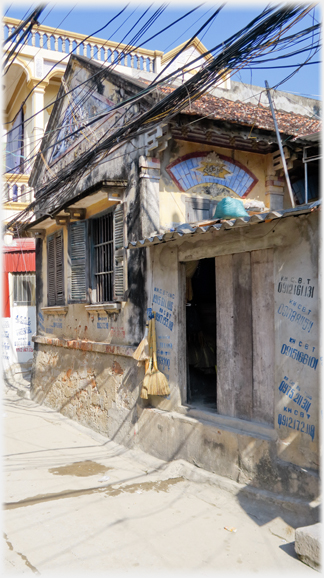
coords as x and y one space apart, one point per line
132 61
33 38
157 60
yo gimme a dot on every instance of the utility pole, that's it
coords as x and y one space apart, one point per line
284 164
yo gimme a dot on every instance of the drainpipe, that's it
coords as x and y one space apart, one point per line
280 146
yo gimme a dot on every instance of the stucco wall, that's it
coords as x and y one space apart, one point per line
291 442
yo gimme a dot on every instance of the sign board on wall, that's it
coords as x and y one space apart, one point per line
297 358
17 331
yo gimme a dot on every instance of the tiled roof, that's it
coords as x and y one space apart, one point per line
219 225
250 115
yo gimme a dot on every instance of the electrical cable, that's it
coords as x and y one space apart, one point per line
200 57
118 45
33 20
147 40
144 28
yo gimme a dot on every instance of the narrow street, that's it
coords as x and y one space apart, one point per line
77 502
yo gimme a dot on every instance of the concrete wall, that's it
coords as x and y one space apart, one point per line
283 101
282 456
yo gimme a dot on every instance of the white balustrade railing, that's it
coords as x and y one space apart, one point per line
103 51
16 191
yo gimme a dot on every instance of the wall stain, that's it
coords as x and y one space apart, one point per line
80 469
159 486
116 368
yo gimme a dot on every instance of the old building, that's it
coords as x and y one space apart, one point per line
18 308
236 300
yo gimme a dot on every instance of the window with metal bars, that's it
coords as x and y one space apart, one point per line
24 288
97 258
103 257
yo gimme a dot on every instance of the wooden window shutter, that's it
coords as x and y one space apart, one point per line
78 261
120 253
51 292
59 268
55 271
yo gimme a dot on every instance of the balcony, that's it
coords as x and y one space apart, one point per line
16 192
104 51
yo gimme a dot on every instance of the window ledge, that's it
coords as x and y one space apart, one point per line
107 307
55 310
83 345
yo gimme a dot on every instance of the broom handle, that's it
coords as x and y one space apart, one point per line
154 344
150 342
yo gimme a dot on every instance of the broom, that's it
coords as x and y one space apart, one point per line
142 352
148 362
155 381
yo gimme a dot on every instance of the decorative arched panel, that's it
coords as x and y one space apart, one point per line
213 174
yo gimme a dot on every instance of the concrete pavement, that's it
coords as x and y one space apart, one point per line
77 502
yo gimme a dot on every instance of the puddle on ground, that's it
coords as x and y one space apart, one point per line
159 486
81 469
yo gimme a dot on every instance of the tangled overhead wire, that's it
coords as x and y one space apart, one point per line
264 33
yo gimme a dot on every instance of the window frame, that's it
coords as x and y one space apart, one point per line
93 273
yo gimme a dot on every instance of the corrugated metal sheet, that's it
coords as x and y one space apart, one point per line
218 225
19 257
19 261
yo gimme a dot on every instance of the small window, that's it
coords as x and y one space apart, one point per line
55 277
108 257
15 146
24 289
97 258
103 257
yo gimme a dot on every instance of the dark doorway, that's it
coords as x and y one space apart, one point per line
201 333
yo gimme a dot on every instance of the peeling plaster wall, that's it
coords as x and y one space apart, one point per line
95 389
284 455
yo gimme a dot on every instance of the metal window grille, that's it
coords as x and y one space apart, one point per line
24 289
103 236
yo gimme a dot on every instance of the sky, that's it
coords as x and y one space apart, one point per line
78 17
